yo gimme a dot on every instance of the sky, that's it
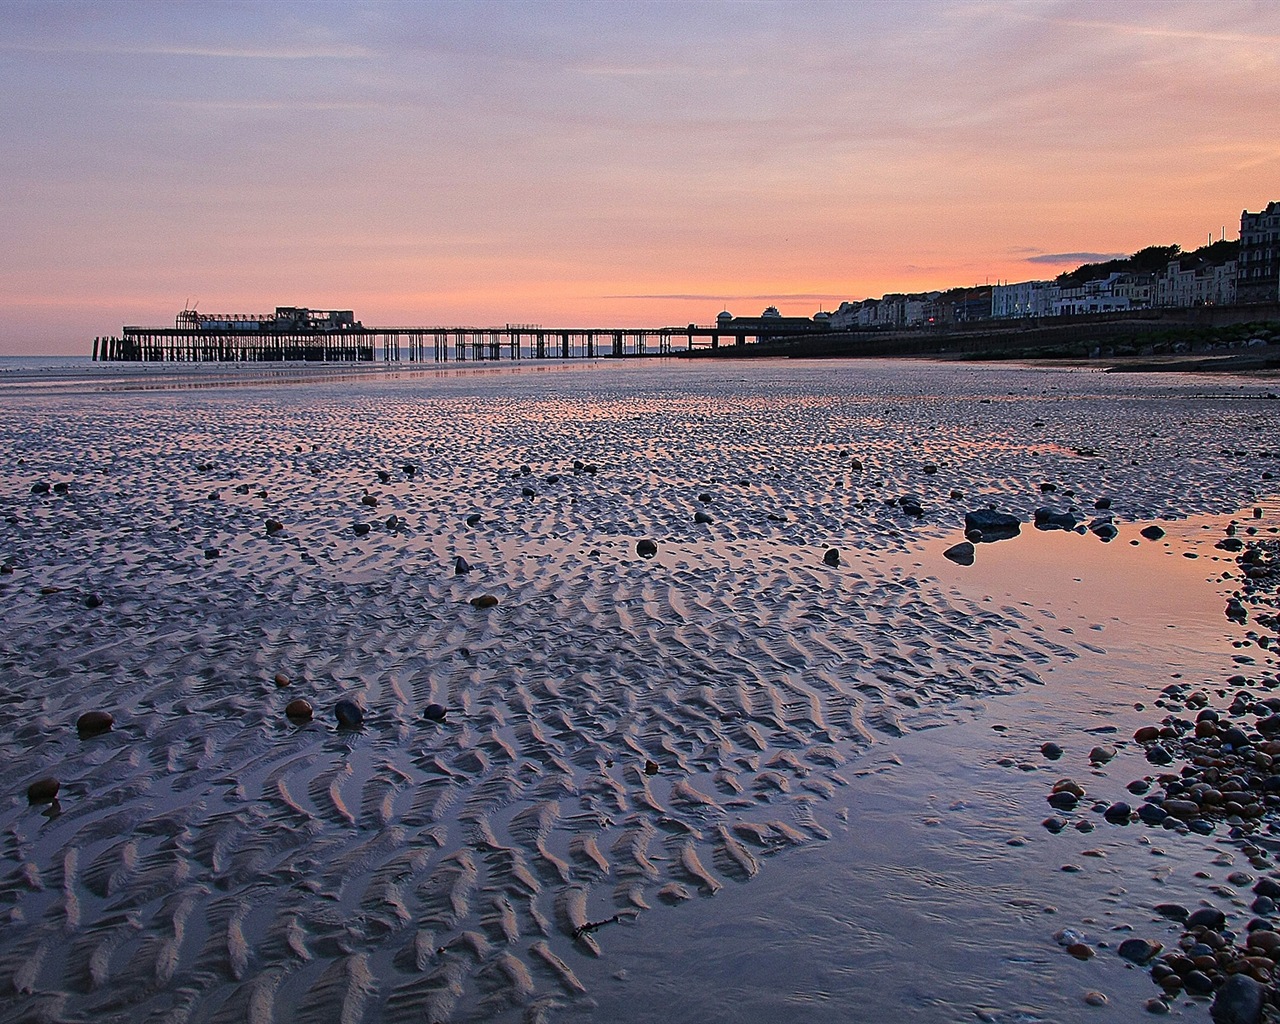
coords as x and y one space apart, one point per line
611 163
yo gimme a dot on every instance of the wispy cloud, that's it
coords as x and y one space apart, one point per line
781 297
1075 257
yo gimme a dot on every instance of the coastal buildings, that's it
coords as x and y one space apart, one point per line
1258 277
1220 273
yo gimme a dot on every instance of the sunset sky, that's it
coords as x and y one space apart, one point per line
605 163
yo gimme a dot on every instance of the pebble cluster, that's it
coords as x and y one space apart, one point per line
1220 775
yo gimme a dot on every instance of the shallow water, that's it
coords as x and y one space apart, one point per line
826 833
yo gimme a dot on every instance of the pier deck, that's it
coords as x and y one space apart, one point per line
410 344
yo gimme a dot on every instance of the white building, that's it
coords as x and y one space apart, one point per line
1025 298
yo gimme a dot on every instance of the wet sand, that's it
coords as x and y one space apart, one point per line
728 781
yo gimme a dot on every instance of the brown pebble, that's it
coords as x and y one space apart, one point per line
484 601
282 680
1080 950
94 723
651 767
42 791
1095 999
299 710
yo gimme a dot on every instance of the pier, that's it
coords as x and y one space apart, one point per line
299 334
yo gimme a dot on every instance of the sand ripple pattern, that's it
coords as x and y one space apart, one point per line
624 732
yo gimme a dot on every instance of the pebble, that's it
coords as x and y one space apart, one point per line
461 566
211 552
1157 1006
298 710
701 517
962 553
349 714
1101 754
42 791
1139 951
1152 532
646 548
360 529
831 557
1051 750
94 723
92 601
1095 999
282 680
484 601
435 713
274 526
651 767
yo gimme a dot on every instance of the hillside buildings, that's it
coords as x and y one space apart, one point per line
1258 277
1220 274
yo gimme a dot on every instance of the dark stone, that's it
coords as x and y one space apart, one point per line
274 526
911 507
646 548
1263 905
1152 532
528 492
1054 824
435 713
1138 786
384 476
461 566
1056 519
1118 813
369 500
1201 826
1198 983
1206 917
1104 529
211 552
360 529
1139 951
553 478
473 519
1047 488
1158 755
651 767
409 469
705 498
92 601
701 517
484 601
42 791
298 710
40 488
1051 750
1102 504
1239 1001
992 525
1152 814
1267 886
930 468
1173 911
61 487
831 557
1235 737
962 553
349 714
94 723
1063 800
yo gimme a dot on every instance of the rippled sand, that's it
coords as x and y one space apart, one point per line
624 733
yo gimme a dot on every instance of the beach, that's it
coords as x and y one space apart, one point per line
726 777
